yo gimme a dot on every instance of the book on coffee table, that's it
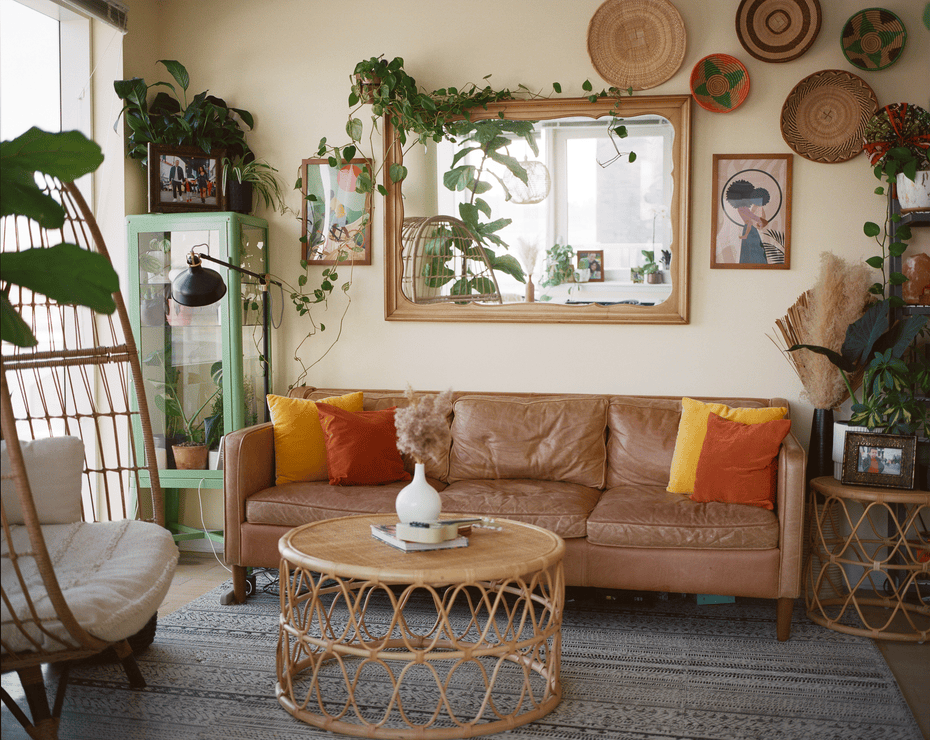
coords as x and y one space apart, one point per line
388 533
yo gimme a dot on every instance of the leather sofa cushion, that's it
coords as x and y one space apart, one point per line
652 517
547 439
642 435
560 507
377 401
292 504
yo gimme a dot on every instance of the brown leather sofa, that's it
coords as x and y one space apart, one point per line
592 468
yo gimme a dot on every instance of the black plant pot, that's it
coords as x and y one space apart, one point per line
238 196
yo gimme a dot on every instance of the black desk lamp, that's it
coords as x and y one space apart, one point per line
201 286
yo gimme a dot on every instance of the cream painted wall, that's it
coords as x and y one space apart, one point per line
288 62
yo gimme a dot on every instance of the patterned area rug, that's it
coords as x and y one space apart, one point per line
658 670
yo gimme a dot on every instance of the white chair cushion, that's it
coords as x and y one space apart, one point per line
54 466
114 576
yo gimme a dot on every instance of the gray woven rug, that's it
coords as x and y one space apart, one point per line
661 670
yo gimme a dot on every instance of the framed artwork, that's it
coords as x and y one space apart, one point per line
185 178
594 259
886 460
335 216
751 212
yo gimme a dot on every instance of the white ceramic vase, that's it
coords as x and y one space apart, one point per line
418 501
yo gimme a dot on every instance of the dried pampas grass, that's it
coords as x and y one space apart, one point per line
821 316
423 426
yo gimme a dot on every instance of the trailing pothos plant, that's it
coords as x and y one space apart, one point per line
66 273
418 117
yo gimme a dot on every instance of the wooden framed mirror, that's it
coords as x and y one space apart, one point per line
598 202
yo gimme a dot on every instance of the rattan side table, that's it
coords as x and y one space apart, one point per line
354 658
868 569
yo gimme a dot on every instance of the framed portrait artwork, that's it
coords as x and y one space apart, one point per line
594 260
751 212
184 178
886 460
335 216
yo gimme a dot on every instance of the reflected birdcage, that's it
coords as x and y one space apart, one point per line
444 263
536 187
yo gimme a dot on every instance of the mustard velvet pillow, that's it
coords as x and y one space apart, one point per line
299 448
693 428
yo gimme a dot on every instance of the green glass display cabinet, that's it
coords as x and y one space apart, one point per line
203 367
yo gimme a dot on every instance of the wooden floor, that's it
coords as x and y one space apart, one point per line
198 573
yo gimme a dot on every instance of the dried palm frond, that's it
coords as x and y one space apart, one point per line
821 316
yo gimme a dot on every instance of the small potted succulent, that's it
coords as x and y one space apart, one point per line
651 267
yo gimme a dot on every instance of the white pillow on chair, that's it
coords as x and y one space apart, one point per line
54 466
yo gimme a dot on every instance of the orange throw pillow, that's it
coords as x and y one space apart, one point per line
361 446
738 462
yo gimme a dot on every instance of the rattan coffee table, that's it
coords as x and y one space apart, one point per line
376 642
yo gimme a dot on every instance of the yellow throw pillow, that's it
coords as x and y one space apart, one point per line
693 428
299 448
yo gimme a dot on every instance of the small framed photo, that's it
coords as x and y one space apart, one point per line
184 178
885 460
593 260
751 212
335 215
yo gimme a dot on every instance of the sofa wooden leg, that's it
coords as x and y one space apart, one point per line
783 624
239 583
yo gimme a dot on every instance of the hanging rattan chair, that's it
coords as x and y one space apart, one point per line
80 575
444 263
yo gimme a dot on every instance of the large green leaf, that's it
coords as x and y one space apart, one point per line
178 71
837 359
509 264
65 273
12 327
863 335
66 155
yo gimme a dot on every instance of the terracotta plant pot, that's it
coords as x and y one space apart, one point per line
190 457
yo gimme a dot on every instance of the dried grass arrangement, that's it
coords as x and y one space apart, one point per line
821 316
423 430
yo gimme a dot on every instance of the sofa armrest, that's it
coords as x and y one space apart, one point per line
792 488
248 467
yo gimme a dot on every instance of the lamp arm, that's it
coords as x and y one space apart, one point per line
263 278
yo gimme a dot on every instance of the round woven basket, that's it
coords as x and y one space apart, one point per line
719 83
778 30
636 43
873 39
825 115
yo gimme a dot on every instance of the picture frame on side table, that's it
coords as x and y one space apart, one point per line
334 214
184 179
751 212
886 460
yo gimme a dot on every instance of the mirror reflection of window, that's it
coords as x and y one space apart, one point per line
597 200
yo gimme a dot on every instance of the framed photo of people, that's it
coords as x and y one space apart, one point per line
185 178
886 460
751 212
335 214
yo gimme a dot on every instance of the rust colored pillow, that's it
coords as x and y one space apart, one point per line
738 462
361 446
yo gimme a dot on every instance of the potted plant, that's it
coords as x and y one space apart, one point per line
651 267
196 431
560 267
897 138
244 177
204 121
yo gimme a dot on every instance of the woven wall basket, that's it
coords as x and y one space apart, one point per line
636 43
825 115
778 30
873 39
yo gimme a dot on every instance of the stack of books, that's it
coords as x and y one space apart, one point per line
415 537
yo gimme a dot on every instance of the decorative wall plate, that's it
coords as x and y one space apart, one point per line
719 83
778 30
873 39
636 43
825 115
